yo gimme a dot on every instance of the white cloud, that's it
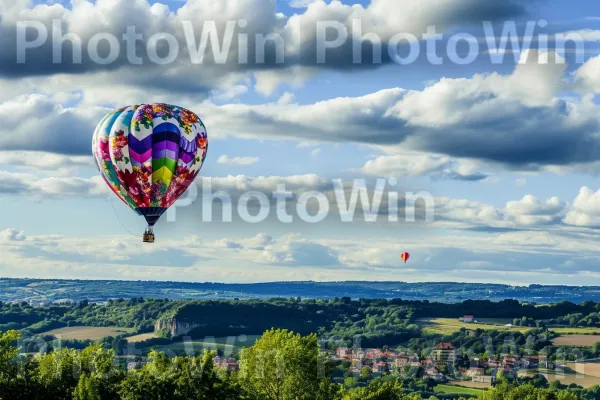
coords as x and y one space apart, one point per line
586 209
286 98
226 160
530 211
588 35
586 76
12 235
422 164
46 163
50 187
298 31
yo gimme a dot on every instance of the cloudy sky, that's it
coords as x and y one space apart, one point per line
504 140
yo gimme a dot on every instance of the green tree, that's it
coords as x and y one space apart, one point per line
285 366
366 373
87 389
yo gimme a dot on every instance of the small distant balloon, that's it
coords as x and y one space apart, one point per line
405 256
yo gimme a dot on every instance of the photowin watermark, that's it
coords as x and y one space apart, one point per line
219 42
340 199
490 356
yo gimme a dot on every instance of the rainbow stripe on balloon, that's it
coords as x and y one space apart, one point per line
149 155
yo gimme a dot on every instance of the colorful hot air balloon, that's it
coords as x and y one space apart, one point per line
149 155
405 256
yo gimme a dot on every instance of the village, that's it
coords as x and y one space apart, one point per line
440 365
442 362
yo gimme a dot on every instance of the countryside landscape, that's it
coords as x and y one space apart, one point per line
299 200
362 346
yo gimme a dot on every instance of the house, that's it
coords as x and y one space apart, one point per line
344 352
380 367
401 361
231 364
485 379
540 361
373 354
475 372
467 319
444 353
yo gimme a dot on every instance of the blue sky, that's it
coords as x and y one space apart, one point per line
509 152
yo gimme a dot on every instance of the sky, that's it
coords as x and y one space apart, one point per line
504 148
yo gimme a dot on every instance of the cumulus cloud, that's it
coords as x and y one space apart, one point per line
46 163
295 251
12 235
586 209
587 77
237 161
532 211
298 32
419 164
50 187
459 122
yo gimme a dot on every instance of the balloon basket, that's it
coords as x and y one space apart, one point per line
148 236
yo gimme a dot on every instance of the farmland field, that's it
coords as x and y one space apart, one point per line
589 369
471 384
87 332
570 377
576 340
575 331
450 389
141 337
225 344
446 326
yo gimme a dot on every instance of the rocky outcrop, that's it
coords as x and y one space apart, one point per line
176 327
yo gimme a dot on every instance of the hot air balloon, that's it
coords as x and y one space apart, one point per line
149 155
405 256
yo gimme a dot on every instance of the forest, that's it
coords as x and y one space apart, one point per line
376 322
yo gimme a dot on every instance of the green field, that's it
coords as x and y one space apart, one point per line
447 326
87 332
450 389
225 344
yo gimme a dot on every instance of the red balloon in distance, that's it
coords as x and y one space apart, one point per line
405 256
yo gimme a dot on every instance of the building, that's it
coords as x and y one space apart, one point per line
444 353
344 352
486 379
231 364
467 318
475 372
380 367
401 361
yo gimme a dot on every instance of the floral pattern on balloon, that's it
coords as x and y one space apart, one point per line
157 152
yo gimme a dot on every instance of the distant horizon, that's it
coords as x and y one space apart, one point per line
289 282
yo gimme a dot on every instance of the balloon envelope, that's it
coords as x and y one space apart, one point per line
149 155
405 257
